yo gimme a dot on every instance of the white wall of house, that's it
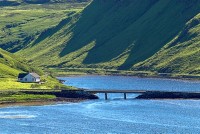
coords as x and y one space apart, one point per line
37 79
29 78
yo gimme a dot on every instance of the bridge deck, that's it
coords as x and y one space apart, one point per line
151 93
136 91
116 91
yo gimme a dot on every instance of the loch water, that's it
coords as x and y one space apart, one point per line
113 116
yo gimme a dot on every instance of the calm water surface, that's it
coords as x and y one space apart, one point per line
124 82
115 116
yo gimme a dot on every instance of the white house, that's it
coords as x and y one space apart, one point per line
28 77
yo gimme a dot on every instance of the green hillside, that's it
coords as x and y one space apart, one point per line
156 35
182 54
22 24
11 66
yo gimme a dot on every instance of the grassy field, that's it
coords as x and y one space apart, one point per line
49 83
13 97
11 84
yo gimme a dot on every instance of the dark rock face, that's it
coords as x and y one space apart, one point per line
1 56
77 94
66 94
168 95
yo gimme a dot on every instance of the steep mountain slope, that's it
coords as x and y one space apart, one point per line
123 34
11 66
20 25
182 54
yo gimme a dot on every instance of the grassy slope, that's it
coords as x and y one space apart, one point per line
11 66
182 54
121 35
22 24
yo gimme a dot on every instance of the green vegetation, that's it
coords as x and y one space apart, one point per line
13 97
154 36
22 24
126 37
98 71
11 66
121 35
11 83
181 55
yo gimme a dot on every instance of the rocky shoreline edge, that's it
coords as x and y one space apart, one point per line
75 96
169 95
63 96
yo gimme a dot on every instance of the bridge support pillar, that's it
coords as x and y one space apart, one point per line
106 96
125 96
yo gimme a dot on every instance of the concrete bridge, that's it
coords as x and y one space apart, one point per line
125 92
150 94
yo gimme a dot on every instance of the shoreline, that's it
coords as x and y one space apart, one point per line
64 72
151 77
79 95
31 97
59 100
152 95
76 100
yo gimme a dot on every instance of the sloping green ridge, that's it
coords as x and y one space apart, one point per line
11 66
21 25
181 55
123 34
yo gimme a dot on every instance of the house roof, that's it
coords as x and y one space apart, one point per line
35 75
22 75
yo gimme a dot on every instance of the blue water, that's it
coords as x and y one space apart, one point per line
125 82
114 116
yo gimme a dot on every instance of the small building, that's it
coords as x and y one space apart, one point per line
28 77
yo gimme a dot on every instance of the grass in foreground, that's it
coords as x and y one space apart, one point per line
22 97
10 84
